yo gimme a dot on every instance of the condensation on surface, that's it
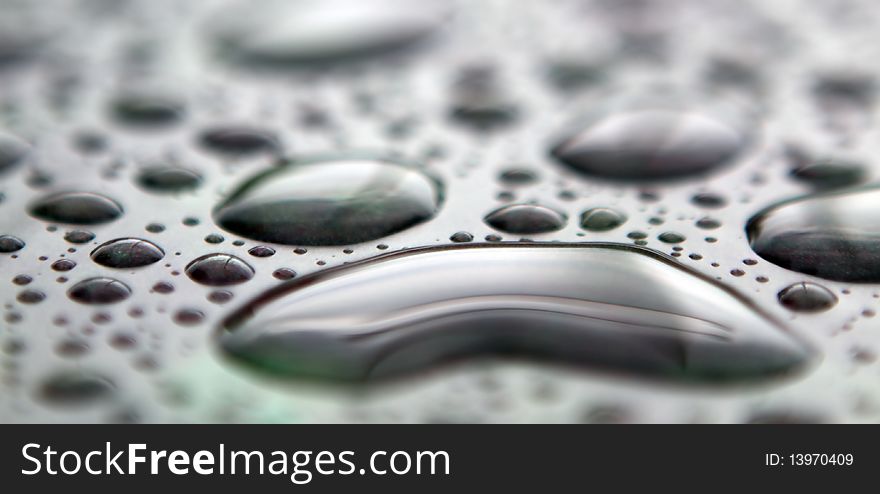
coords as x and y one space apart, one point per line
137 119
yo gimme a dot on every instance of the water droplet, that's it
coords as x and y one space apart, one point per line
628 310
155 228
650 145
284 274
146 111
63 265
220 296
238 141
31 297
707 223
336 201
518 176
283 33
99 291
832 236
671 238
460 237
127 253
214 238
8 244
163 287
807 297
22 279
189 317
525 219
261 251
824 173
480 101
709 200
79 236
602 219
168 179
12 152
80 208
75 387
219 270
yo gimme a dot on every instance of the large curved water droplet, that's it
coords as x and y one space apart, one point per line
834 236
297 32
335 201
127 253
594 305
78 208
650 145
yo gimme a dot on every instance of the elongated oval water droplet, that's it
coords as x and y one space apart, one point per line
835 236
650 145
145 110
219 270
238 141
168 179
335 201
127 253
78 208
75 388
608 306
296 32
525 219
99 291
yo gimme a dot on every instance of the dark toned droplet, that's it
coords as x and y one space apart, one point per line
525 218
220 296
141 110
31 297
650 145
518 176
671 237
707 223
22 279
291 34
213 238
261 251
63 265
835 235
9 244
461 237
155 228
79 208
807 297
333 201
824 173
219 270
72 348
12 152
602 219
284 274
127 253
609 307
189 317
168 179
75 387
163 287
238 141
99 291
79 236
709 200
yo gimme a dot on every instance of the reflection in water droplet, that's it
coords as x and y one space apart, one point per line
807 297
261 251
650 145
9 244
602 219
525 218
99 291
12 151
238 141
168 179
335 201
75 388
835 236
219 270
461 237
608 306
127 253
80 208
63 265
295 32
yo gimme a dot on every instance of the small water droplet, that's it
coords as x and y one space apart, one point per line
460 237
79 236
238 141
81 208
261 251
219 270
63 265
127 253
146 111
168 179
31 297
284 274
602 219
807 297
75 387
99 291
525 219
9 243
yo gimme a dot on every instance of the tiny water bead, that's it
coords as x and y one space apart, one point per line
219 270
189 317
214 238
525 219
331 201
835 235
406 313
155 228
163 287
168 179
294 33
79 236
63 265
148 111
708 200
461 237
807 297
650 145
9 244
284 274
99 291
518 176
12 151
602 219
261 251
80 208
127 253
238 141
707 223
